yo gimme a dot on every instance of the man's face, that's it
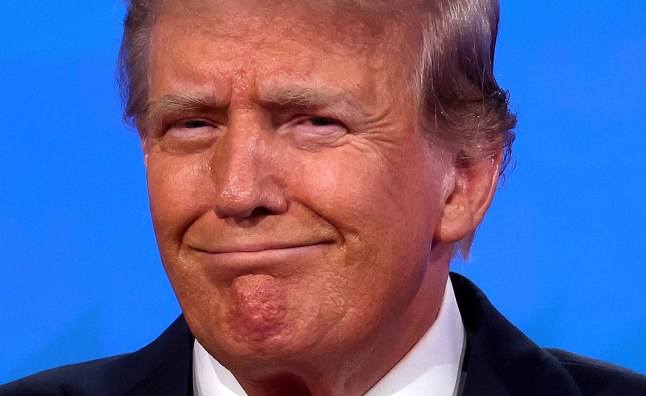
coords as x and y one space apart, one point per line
293 197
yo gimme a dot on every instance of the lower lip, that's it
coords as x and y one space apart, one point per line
263 260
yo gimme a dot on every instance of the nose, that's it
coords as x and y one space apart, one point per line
244 176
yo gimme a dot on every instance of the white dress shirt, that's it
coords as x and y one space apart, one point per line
431 368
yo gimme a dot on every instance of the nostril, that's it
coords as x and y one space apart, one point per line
247 219
261 211
256 213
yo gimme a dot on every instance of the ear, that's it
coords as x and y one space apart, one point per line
468 192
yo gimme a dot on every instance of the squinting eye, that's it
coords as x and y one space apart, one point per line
193 124
190 135
321 121
311 132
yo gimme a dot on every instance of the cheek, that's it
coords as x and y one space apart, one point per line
179 191
374 194
394 206
385 208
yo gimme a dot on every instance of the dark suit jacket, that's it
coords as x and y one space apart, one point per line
500 361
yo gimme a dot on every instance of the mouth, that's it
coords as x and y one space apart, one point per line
258 247
280 259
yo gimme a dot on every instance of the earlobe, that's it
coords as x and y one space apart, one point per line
467 198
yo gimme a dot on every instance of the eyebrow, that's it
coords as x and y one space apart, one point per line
178 103
337 103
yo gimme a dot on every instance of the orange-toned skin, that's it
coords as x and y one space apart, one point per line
296 206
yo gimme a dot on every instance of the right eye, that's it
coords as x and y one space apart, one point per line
191 124
191 134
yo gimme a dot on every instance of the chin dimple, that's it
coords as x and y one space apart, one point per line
260 306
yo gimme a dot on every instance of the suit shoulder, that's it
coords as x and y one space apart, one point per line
597 378
56 381
163 367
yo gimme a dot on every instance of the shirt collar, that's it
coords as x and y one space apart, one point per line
432 367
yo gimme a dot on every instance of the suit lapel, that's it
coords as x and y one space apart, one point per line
171 359
500 359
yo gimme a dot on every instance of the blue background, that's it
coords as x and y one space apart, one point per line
560 253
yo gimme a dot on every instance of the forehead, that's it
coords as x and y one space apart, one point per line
364 17
256 27
244 53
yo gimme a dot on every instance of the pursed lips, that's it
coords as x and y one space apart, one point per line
276 258
257 247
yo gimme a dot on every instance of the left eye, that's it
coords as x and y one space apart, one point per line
321 121
313 132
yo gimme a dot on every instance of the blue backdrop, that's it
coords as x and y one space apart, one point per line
560 252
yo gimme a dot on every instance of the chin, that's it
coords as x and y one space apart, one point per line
283 349
267 336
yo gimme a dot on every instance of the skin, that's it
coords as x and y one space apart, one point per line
304 221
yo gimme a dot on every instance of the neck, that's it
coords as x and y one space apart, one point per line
278 385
